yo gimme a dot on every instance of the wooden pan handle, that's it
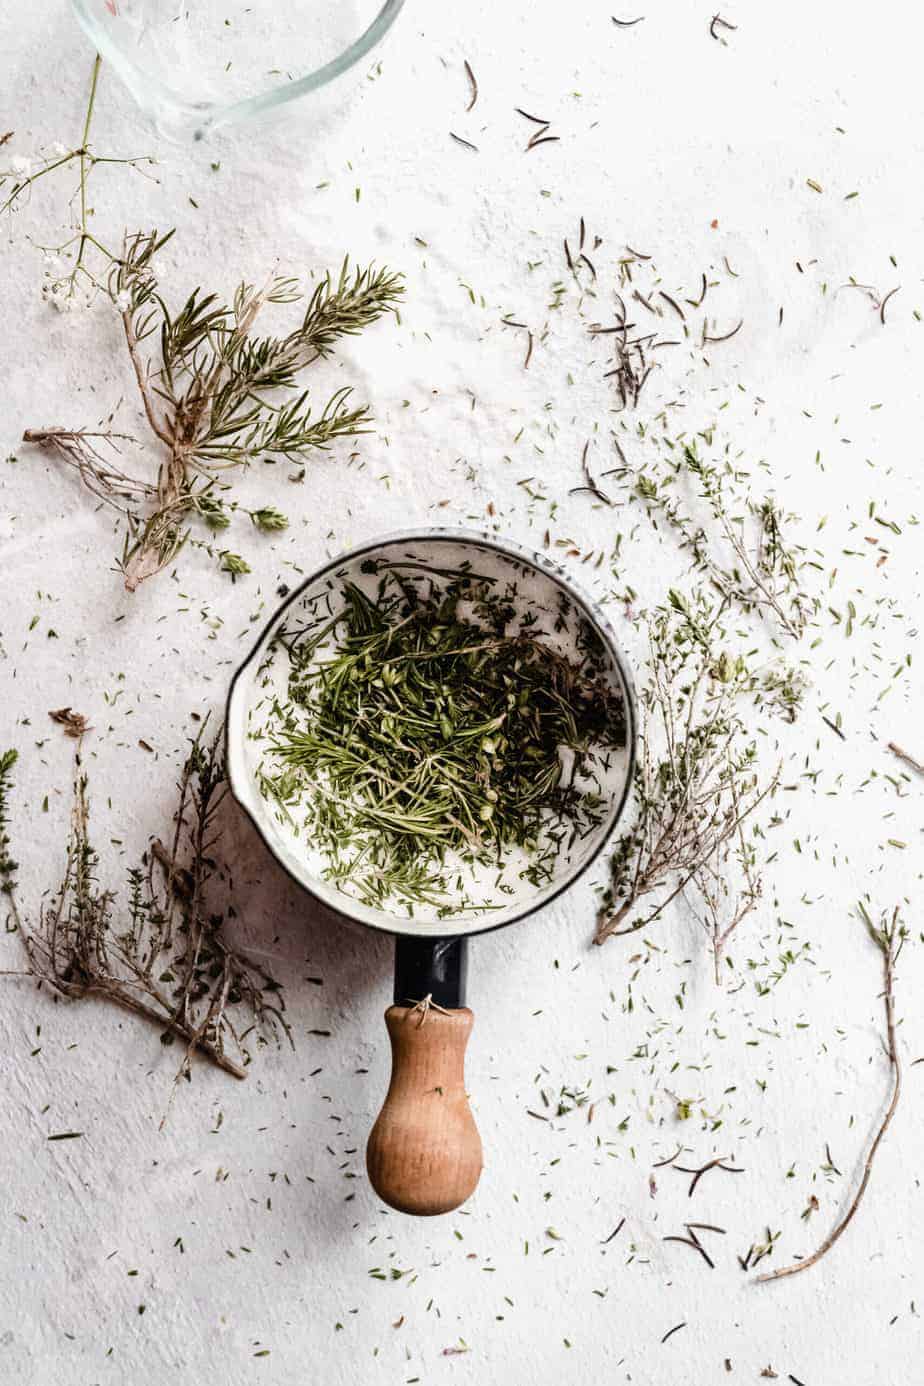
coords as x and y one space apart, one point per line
424 1151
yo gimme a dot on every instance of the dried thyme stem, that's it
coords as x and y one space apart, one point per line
162 956
696 783
888 939
908 759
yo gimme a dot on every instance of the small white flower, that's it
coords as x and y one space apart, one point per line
58 149
123 300
20 164
53 295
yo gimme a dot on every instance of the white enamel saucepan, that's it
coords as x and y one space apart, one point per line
424 1153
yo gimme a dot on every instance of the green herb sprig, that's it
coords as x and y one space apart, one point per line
740 544
211 396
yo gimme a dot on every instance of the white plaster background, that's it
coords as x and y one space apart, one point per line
663 131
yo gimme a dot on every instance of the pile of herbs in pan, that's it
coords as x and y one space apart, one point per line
431 728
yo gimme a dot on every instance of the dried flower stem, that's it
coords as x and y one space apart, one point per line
889 939
64 289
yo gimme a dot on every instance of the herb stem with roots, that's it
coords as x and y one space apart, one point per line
117 993
208 401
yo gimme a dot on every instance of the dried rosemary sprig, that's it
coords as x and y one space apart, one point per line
211 396
162 954
427 730
697 782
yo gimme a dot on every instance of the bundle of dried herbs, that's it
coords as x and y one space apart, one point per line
439 733
161 954
211 397
697 785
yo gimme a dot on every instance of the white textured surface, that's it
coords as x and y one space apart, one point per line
662 132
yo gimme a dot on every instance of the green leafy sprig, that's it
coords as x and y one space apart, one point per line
739 543
211 396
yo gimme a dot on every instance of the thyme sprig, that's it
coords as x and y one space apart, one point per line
8 865
697 783
718 903
210 395
438 729
162 954
738 542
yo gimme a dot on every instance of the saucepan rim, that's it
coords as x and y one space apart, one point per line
236 773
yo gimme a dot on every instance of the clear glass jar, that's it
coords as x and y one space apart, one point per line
196 65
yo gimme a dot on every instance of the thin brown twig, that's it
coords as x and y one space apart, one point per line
725 337
718 22
196 1039
908 759
473 83
659 1164
671 1331
712 884
888 940
131 341
696 1245
424 1006
882 306
80 449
